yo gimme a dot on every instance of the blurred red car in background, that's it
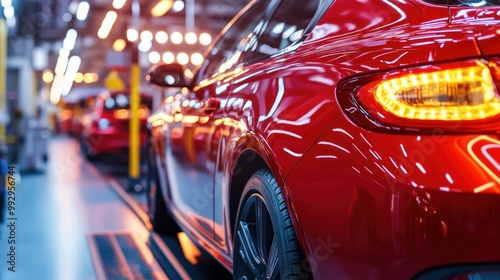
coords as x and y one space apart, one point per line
106 124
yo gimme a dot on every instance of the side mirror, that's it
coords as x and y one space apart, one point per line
167 75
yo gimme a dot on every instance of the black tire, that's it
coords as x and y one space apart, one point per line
86 151
265 243
160 219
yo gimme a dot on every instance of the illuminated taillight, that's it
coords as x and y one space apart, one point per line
121 114
466 93
143 113
459 94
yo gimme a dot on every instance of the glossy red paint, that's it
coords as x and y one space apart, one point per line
106 130
367 203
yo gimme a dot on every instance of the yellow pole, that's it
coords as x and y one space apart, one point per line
3 75
135 102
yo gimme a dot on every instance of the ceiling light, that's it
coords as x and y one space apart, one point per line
70 40
196 58
176 38
182 58
83 11
178 6
8 12
168 57
145 46
62 62
6 3
73 6
154 57
161 8
118 4
67 17
69 76
55 90
205 39
78 77
146 36
161 37
132 35
88 78
191 38
119 45
48 76
107 24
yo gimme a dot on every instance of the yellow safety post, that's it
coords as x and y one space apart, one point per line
135 102
3 75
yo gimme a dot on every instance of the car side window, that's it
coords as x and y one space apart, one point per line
286 26
227 52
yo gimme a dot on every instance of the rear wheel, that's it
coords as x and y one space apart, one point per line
265 243
160 219
85 149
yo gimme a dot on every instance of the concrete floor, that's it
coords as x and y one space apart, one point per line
56 211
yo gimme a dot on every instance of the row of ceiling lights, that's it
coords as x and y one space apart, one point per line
162 7
181 58
9 13
48 77
161 37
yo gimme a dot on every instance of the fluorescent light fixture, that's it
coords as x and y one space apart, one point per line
62 62
11 22
161 8
69 76
118 4
83 11
6 3
8 12
55 90
132 35
70 40
63 52
107 24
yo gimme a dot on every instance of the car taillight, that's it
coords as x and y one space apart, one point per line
462 95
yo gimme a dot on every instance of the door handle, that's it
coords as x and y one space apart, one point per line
210 105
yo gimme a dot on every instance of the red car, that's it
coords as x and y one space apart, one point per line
106 124
338 140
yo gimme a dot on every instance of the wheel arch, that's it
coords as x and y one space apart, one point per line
245 166
250 154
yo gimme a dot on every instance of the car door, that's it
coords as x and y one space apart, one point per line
194 135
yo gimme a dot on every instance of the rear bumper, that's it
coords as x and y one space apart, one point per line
110 142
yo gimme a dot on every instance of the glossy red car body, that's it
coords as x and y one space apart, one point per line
106 130
368 200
